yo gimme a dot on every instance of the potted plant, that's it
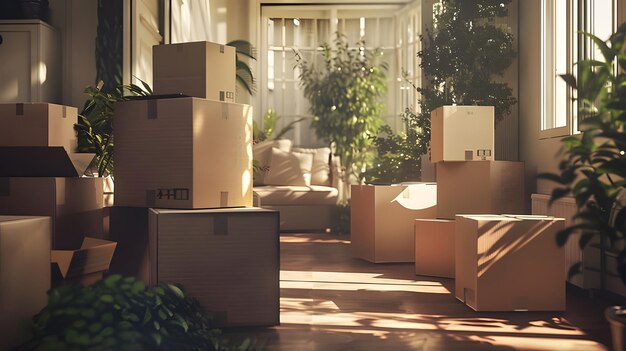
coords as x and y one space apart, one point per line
345 96
594 168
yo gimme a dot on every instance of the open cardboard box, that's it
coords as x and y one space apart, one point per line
42 161
86 265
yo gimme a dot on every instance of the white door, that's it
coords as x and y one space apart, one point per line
141 33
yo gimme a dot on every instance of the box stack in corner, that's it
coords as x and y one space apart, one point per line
183 189
46 208
489 254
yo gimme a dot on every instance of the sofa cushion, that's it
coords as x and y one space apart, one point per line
320 172
289 168
262 153
297 195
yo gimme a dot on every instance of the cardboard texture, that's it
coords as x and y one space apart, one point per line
480 187
74 204
462 133
24 273
183 153
228 259
38 124
383 216
200 69
38 161
429 170
85 265
509 263
434 247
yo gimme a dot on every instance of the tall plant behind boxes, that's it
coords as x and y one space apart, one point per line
462 57
345 96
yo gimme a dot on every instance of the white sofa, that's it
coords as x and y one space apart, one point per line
306 202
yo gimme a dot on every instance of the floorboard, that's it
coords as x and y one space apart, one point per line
331 301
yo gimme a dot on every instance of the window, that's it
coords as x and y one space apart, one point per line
408 44
306 28
561 20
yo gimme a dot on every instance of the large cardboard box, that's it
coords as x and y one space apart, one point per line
462 133
24 274
183 153
228 259
74 204
382 219
38 124
85 265
480 187
434 247
200 69
509 263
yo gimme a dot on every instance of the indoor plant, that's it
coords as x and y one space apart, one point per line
123 314
345 97
594 167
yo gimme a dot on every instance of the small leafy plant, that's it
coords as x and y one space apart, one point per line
399 155
95 122
120 313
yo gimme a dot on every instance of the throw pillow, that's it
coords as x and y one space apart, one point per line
289 168
262 152
320 172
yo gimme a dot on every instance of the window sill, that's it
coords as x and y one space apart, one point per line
554 133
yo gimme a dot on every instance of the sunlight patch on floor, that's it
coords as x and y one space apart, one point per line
318 240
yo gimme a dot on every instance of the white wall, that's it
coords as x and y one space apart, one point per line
76 21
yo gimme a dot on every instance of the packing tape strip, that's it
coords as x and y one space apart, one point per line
5 186
222 49
220 225
224 199
152 109
64 111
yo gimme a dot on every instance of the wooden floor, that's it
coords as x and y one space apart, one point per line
330 301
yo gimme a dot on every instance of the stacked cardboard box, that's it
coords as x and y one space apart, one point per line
40 173
469 181
183 189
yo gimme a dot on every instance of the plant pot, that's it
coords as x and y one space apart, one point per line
34 9
616 316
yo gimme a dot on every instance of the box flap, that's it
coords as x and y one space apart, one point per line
94 256
42 162
62 258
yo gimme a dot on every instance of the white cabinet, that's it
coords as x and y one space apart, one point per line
30 62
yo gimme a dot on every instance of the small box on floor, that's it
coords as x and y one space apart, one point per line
462 133
85 265
509 263
200 69
382 219
74 204
434 247
183 153
24 273
228 259
479 187
38 124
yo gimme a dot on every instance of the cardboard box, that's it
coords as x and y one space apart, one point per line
41 161
85 265
434 247
74 204
183 153
228 259
382 219
24 274
200 69
38 124
479 187
462 133
509 263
